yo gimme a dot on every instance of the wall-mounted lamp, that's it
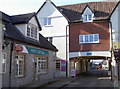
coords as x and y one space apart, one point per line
5 44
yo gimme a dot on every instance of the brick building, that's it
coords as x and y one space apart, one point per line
89 33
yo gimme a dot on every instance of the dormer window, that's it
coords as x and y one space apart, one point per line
88 18
32 31
87 14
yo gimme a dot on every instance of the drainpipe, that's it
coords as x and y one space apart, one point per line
111 48
10 66
67 59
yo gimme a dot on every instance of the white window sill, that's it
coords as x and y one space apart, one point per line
88 42
48 25
87 21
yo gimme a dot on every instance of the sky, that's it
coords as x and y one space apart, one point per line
14 7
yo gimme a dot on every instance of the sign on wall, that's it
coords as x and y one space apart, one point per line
63 65
37 51
26 49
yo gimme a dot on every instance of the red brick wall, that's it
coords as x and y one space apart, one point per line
101 28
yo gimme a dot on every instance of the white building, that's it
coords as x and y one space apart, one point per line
115 24
54 26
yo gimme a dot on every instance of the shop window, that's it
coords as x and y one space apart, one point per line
32 31
4 56
40 65
19 65
91 38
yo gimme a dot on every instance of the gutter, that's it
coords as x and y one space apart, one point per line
80 21
67 61
111 47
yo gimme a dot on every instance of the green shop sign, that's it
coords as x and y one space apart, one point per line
37 51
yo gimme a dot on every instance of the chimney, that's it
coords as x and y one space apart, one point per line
48 0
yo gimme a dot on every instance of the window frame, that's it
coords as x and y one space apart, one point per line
47 21
87 18
17 63
32 33
39 61
83 40
4 62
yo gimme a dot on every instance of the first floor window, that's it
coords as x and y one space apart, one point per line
91 38
47 21
19 65
41 65
32 31
4 63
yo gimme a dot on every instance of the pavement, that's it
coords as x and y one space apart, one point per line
94 78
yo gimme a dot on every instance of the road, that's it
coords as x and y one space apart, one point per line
93 79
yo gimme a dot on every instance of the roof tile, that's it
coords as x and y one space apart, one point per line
102 10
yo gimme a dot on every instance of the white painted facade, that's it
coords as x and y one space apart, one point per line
116 39
57 29
22 28
115 24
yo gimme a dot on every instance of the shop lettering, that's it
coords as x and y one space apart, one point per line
37 51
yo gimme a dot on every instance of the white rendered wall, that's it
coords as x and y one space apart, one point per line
116 38
115 24
57 30
22 28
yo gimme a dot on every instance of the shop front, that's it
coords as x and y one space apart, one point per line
31 64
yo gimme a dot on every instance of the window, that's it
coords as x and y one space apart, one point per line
40 65
47 21
88 18
4 63
28 30
32 31
91 38
19 65
58 64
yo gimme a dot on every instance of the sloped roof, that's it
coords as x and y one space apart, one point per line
4 17
24 18
102 10
13 33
